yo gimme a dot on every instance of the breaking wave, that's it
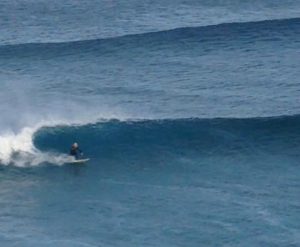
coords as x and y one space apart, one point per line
126 139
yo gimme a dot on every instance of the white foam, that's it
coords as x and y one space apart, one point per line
18 149
11 143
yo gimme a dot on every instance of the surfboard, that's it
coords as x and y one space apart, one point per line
81 161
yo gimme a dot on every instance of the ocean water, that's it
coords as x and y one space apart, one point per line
188 111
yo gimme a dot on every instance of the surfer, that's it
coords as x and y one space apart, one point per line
75 151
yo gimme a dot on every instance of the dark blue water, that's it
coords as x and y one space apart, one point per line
188 111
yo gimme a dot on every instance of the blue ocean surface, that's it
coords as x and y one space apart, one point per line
187 109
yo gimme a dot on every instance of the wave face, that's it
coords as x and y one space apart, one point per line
156 139
159 139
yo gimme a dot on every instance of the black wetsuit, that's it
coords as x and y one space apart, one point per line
75 152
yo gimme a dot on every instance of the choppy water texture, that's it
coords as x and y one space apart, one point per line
189 111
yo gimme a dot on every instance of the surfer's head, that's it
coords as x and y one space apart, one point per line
75 145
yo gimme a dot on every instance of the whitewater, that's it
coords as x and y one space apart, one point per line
188 111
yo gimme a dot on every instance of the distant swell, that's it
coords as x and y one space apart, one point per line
266 30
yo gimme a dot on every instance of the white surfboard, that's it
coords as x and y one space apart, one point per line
81 161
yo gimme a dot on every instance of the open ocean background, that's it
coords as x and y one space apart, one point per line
188 109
